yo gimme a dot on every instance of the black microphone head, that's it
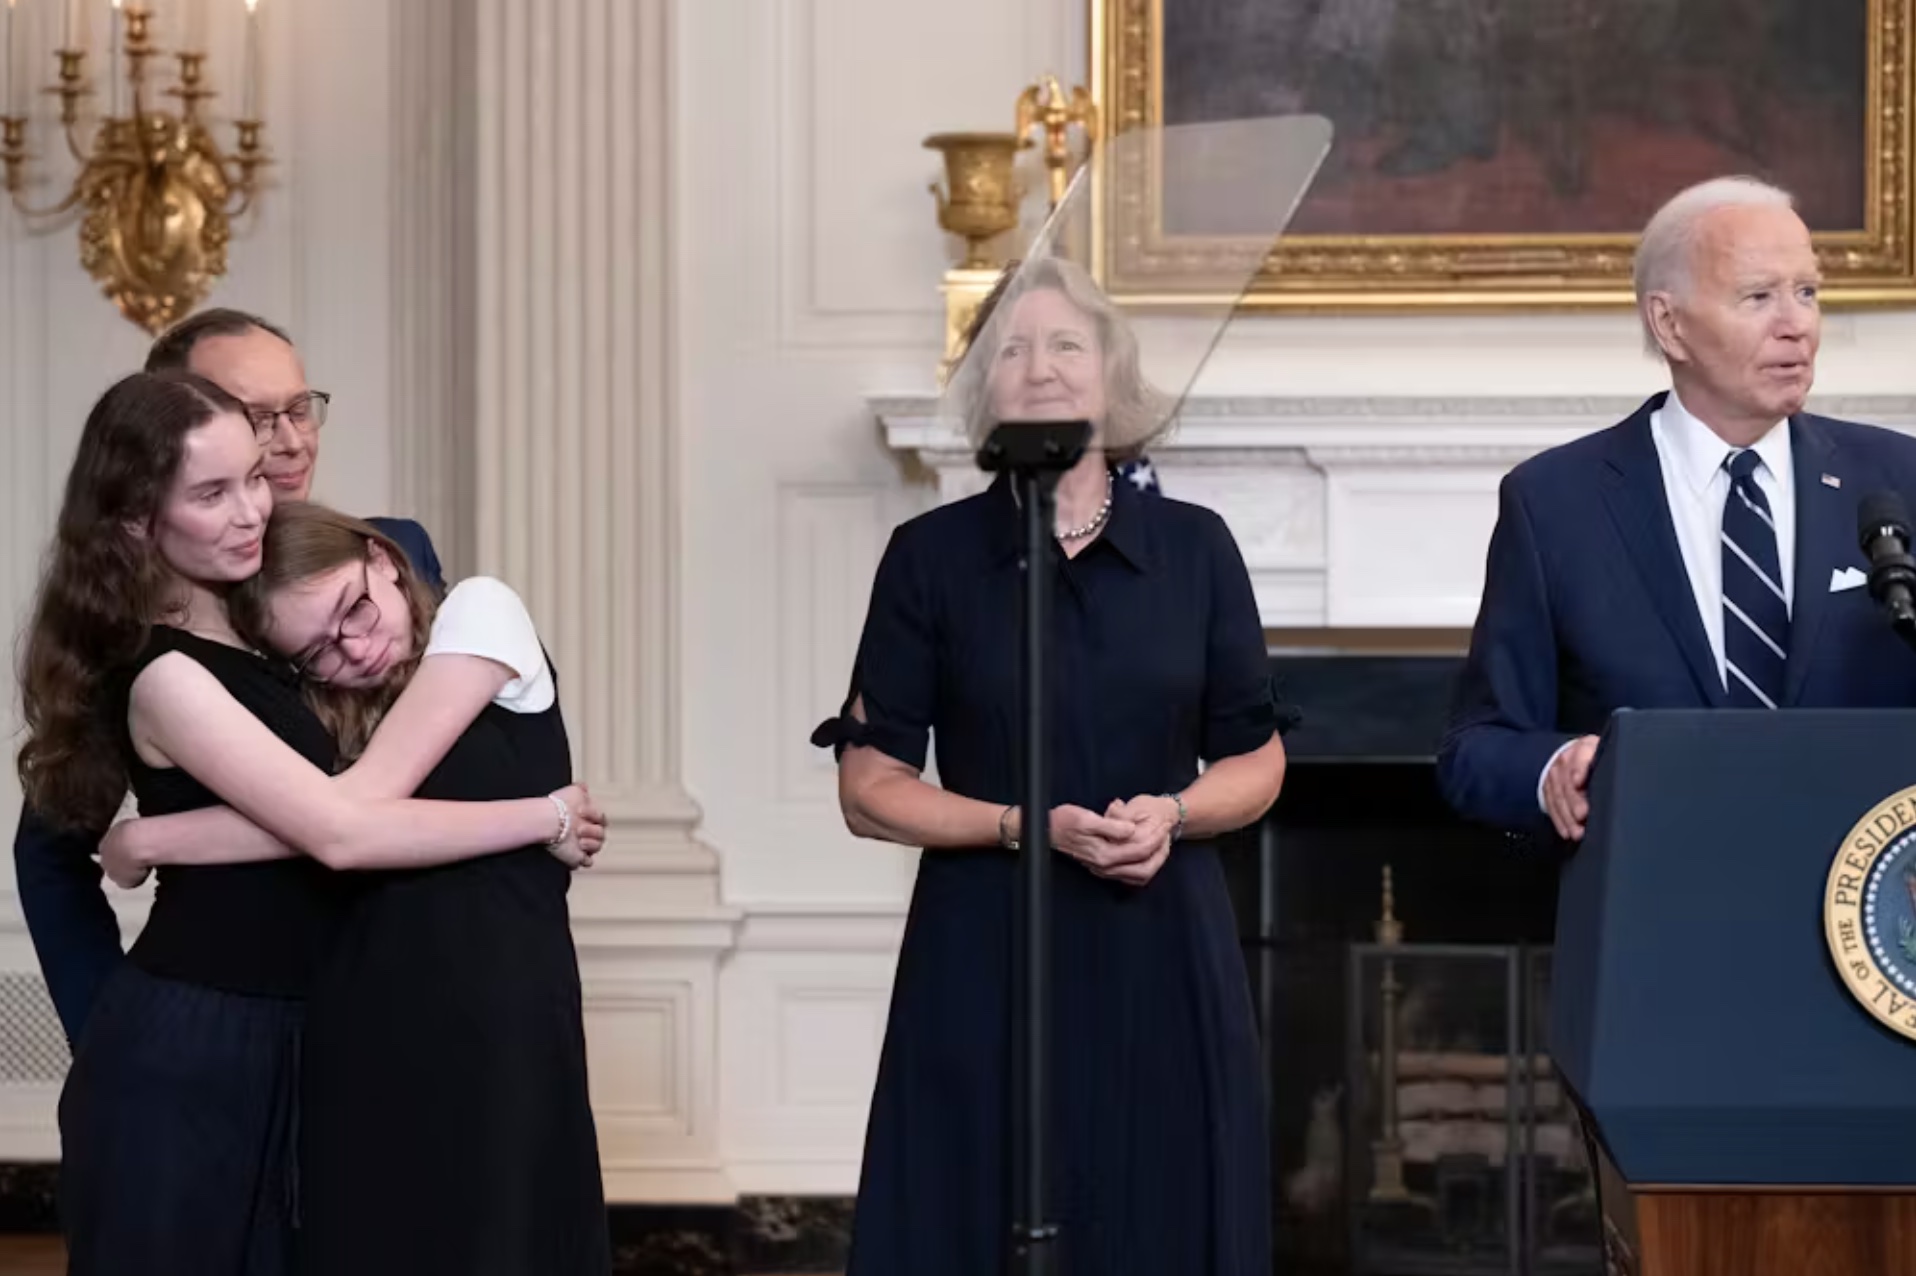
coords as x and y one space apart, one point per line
1880 512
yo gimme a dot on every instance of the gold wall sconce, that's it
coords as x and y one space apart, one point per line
158 192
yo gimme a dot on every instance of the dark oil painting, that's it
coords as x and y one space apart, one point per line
1533 117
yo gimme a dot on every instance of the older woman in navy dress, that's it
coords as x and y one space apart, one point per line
1159 665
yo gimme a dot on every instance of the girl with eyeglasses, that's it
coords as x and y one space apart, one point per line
179 1118
447 1125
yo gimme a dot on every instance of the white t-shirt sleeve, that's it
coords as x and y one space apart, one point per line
482 616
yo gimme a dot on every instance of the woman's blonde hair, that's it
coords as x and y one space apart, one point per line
303 541
1137 414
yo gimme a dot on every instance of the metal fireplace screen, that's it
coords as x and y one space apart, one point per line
1465 1155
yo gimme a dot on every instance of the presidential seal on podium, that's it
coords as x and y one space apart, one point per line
1869 912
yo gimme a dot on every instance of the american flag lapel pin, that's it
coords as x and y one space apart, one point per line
1830 480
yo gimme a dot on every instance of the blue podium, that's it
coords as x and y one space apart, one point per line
1735 970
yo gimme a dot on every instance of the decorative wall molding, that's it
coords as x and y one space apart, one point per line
911 420
790 928
808 314
803 1008
1387 456
1319 491
1575 409
828 540
858 246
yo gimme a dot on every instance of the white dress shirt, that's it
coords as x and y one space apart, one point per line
1696 486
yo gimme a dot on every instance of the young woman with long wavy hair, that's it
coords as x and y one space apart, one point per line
179 1120
448 1124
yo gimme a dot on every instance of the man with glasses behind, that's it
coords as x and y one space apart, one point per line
256 363
74 929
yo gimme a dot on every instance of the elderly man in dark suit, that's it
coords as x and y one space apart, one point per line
1703 553
75 932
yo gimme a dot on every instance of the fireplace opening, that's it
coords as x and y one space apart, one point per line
1399 958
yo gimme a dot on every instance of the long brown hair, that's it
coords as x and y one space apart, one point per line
101 589
305 540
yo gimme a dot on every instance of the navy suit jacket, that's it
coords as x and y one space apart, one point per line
74 929
412 538
1587 607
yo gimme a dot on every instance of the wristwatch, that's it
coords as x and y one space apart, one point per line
1178 831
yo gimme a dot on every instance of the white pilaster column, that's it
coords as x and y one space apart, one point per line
576 504
432 333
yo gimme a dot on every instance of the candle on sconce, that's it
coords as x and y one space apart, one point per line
250 101
6 72
113 46
70 29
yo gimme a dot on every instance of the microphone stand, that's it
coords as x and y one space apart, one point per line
1884 537
1892 583
1036 454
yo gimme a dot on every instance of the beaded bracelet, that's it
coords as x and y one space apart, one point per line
565 820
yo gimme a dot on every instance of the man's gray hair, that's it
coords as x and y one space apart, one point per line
1668 244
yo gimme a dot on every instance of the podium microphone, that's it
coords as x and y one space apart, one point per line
1882 529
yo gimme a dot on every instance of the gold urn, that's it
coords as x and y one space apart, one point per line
980 197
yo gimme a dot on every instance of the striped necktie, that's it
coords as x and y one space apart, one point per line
1756 617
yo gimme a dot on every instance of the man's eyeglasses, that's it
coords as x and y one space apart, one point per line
305 414
323 663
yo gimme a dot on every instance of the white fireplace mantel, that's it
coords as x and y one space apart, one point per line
1350 512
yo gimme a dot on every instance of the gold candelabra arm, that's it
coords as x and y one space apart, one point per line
139 48
72 87
250 158
13 152
189 90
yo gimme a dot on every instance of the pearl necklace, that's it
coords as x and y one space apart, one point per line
1092 528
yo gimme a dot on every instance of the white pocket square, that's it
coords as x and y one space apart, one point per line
1842 578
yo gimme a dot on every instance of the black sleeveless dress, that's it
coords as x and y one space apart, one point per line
179 1117
447 1122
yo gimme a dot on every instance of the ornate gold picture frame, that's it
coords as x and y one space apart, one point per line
1502 154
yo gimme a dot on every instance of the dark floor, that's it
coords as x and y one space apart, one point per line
45 1256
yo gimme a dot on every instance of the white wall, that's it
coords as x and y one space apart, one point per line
689 238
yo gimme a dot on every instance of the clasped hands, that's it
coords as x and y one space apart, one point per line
1129 843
